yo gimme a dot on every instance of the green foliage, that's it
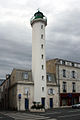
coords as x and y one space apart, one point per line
37 105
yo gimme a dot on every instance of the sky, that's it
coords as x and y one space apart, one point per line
62 31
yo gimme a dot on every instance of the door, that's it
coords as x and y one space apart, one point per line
26 103
43 101
51 102
72 101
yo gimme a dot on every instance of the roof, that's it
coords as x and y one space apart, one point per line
1 81
64 60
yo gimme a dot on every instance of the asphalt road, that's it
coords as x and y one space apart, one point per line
54 114
4 117
63 114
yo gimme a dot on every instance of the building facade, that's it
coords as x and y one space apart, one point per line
62 86
68 80
21 90
4 94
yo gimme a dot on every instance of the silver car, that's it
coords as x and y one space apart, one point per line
76 105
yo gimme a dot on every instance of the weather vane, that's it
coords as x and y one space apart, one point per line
38 9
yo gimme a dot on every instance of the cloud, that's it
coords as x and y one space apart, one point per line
63 36
15 48
62 31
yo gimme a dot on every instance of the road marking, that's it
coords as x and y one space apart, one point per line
51 113
23 116
68 115
52 119
74 111
27 115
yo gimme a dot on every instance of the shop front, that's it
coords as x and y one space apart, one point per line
68 99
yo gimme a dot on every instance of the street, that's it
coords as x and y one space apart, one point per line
63 114
4 117
54 114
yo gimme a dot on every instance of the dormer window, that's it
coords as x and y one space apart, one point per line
49 78
63 62
73 64
25 75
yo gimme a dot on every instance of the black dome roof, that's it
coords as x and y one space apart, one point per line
39 14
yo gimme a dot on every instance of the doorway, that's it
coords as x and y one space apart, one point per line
43 102
26 103
51 102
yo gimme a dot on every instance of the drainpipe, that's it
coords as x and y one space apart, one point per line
58 84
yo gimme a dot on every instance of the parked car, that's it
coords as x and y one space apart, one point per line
76 105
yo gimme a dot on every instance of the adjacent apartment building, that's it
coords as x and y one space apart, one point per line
4 93
68 80
21 90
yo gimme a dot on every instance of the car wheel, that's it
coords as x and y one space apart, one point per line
79 107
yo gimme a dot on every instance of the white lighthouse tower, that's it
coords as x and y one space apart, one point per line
38 23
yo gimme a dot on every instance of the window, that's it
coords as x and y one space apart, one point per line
41 26
73 74
50 91
73 87
26 91
42 46
42 67
42 56
72 64
64 86
49 78
60 61
42 88
41 36
63 62
42 77
25 75
64 73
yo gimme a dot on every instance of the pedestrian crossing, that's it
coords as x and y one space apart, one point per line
25 116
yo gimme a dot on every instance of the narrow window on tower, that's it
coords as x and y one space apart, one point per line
42 46
41 26
41 36
42 77
42 67
43 89
42 56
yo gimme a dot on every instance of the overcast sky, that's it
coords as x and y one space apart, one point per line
62 31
